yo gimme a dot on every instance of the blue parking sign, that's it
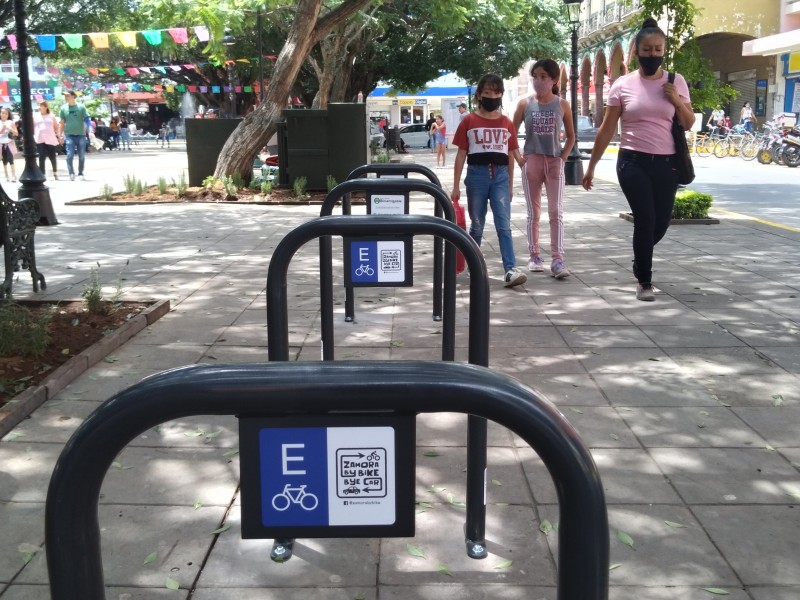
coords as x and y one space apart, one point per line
371 262
294 476
364 261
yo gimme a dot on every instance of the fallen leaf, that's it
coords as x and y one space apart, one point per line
430 453
423 504
625 538
196 433
435 489
777 400
222 529
795 495
576 410
496 482
443 569
172 584
150 557
65 351
614 566
546 527
415 551
197 504
118 465
614 436
230 453
504 564
717 591
674 524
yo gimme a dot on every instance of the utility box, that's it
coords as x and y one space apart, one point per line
204 141
325 142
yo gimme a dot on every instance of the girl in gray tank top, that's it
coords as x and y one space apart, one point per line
544 114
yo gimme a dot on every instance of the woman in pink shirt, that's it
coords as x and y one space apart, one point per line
45 136
645 102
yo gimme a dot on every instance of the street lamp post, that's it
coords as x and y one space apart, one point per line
32 179
573 169
230 40
260 27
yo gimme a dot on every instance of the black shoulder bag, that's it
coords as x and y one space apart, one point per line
683 161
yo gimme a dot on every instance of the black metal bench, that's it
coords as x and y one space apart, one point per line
18 219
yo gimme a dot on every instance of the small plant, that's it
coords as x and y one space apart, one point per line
129 181
299 186
382 157
237 180
138 187
181 185
690 204
93 293
21 333
255 183
162 185
209 182
266 187
331 182
229 185
107 192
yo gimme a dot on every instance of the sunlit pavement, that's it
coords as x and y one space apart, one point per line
689 405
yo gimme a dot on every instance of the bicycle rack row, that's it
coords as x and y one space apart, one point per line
328 390
478 340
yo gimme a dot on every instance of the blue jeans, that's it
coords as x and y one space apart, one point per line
488 186
79 142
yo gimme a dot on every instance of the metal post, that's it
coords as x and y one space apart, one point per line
32 179
573 170
232 94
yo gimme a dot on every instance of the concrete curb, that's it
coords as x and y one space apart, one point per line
629 217
22 405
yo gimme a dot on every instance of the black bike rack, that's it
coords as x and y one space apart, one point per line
443 207
478 351
72 530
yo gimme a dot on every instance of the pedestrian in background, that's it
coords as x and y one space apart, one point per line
73 129
746 117
645 102
124 134
462 111
487 142
8 147
45 134
544 114
428 127
439 133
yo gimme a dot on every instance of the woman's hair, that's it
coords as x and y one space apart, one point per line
494 82
649 27
47 106
5 110
551 68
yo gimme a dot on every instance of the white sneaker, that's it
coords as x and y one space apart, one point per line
81 177
645 292
71 177
535 264
559 269
514 277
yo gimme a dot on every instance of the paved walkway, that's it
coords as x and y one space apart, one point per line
690 406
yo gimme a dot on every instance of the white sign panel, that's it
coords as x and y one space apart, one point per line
388 204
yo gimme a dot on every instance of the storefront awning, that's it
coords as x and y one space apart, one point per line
780 43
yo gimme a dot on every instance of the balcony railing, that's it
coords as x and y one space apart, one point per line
611 13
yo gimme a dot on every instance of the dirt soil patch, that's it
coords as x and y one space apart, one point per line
152 195
71 330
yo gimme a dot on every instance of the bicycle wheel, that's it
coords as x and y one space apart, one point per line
721 149
703 148
749 151
281 502
309 502
764 156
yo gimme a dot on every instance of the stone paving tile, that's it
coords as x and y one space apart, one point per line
525 336
728 475
23 531
591 336
523 362
316 562
26 469
598 427
690 427
286 593
763 390
780 334
624 361
778 424
450 429
745 317
42 592
661 555
701 362
653 389
54 422
459 591
759 542
707 335
661 315
180 535
672 592
568 390
615 468
775 593
510 534
786 357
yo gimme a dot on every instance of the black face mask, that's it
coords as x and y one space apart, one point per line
650 64
490 104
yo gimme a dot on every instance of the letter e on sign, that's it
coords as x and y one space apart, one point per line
286 458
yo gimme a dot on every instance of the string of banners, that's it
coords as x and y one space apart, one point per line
128 39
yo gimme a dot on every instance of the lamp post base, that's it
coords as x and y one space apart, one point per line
47 215
573 170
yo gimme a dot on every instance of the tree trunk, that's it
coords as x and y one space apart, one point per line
257 127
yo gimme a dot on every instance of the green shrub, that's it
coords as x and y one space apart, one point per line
107 192
93 293
209 182
21 333
162 185
299 186
181 185
229 185
237 180
690 204
382 157
331 182
138 187
266 187
129 181
255 183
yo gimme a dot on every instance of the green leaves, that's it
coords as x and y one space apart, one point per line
716 591
625 538
222 529
414 551
504 565
171 584
150 557
546 527
444 570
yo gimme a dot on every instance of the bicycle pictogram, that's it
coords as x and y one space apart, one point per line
365 270
374 456
294 495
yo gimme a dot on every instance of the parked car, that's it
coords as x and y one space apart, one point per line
415 136
586 134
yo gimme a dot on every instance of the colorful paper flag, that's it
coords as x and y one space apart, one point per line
12 40
47 43
127 38
99 40
153 36
179 35
201 31
132 71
